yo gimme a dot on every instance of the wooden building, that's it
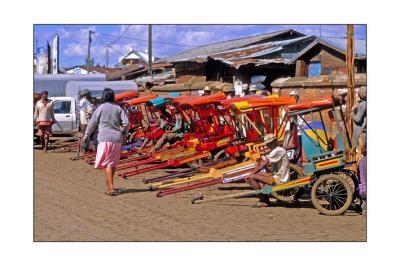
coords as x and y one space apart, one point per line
266 54
325 56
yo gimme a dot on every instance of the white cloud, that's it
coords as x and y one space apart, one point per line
63 33
75 49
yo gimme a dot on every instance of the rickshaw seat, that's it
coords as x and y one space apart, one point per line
251 134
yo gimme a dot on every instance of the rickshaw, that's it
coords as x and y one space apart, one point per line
257 117
208 133
326 173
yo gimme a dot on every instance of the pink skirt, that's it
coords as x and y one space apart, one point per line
108 154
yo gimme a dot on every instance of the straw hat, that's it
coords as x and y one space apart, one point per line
245 87
294 93
269 138
362 93
253 88
85 92
207 88
228 88
342 92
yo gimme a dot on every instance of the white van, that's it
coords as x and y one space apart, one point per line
66 114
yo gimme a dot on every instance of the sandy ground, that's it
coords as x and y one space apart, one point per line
70 205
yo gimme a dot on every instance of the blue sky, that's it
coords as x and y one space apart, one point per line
74 38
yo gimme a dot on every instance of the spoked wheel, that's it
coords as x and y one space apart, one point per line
287 196
331 194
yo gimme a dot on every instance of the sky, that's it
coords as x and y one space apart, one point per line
167 39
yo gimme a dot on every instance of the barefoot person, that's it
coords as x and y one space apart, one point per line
272 169
112 124
44 118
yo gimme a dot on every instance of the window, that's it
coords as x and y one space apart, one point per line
314 69
62 107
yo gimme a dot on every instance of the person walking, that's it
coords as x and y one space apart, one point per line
113 125
86 109
44 119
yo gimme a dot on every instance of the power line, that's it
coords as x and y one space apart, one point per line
136 39
120 36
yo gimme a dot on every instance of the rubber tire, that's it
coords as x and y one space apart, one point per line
289 199
315 201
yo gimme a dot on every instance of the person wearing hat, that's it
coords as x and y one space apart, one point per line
86 109
44 118
229 91
272 169
253 89
359 117
295 95
206 91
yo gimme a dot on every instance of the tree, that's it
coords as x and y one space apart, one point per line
87 63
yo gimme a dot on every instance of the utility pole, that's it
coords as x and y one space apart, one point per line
350 86
89 42
150 71
107 46
350 75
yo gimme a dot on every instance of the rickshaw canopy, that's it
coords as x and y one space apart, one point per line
126 94
141 99
202 100
254 103
323 102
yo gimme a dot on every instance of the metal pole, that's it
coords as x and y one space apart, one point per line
150 48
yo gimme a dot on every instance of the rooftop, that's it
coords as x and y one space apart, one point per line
203 51
340 45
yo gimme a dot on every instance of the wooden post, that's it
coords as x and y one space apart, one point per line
350 80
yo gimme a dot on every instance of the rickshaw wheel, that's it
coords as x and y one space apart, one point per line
287 196
331 194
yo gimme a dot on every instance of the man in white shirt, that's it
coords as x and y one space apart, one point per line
86 109
44 118
272 169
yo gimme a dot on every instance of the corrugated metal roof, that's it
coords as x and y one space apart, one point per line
360 46
340 45
203 51
250 54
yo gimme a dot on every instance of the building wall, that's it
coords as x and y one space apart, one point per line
311 93
331 61
189 68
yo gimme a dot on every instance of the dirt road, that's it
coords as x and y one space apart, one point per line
70 205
